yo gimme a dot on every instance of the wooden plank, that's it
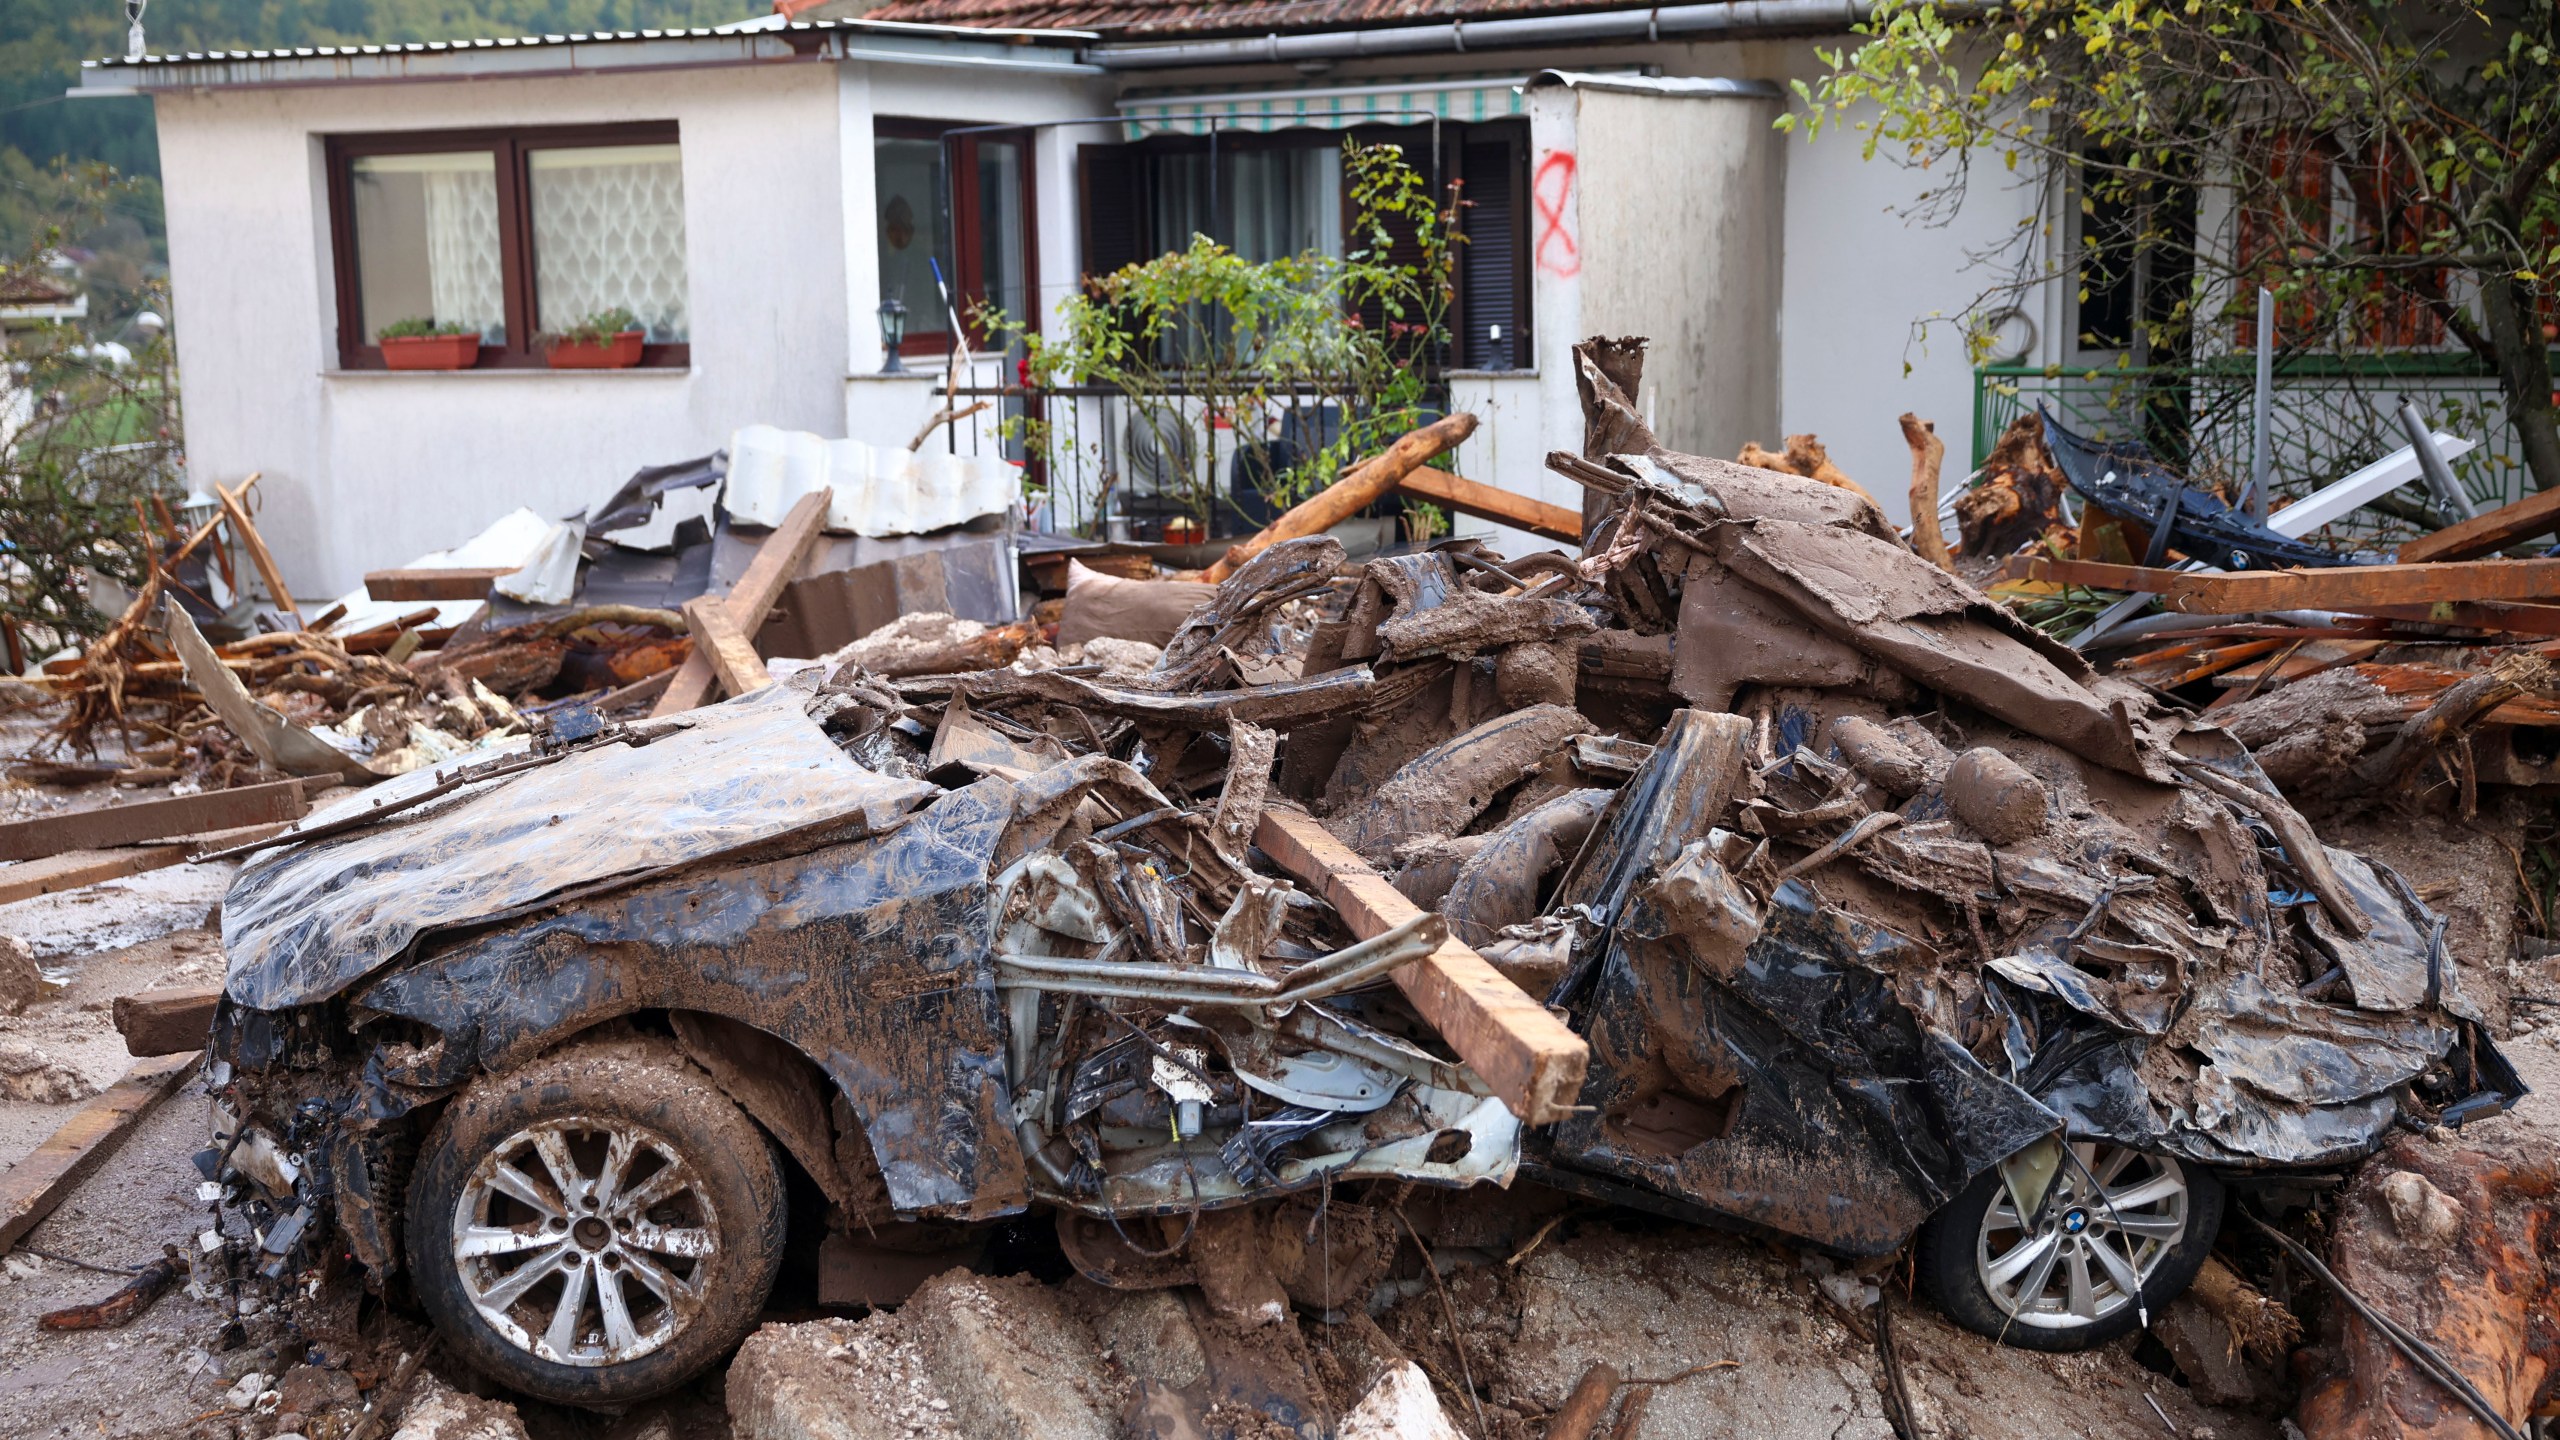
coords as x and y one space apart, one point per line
2348 587
468 584
1528 1057
166 1022
1488 502
42 1181
2480 535
1351 494
233 507
152 820
777 560
733 659
75 869
2520 619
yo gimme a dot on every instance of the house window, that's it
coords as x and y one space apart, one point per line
1283 193
516 234
977 232
2135 244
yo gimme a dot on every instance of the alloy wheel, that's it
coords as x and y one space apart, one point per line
585 1242
2111 1219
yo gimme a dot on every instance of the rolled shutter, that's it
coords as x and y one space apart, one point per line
1110 229
1491 284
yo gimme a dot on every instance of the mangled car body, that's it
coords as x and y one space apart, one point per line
1880 913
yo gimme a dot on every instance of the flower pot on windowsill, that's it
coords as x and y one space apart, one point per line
619 353
430 352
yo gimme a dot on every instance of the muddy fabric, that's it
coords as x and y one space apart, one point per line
303 922
1103 606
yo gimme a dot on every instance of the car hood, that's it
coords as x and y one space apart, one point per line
474 842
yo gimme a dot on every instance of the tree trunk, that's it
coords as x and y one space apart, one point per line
2524 374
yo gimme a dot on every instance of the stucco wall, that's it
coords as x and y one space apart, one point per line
369 470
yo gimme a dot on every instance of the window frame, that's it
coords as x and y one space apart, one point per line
508 144
966 226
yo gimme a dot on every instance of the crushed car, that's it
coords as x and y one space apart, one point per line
1880 918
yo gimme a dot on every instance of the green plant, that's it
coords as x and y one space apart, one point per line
596 329
2193 136
86 447
1201 334
420 327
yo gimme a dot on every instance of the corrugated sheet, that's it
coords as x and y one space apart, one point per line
1162 19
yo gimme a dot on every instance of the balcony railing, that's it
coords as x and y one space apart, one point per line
1138 468
2331 415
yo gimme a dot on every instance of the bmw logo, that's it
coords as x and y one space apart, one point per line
2075 1221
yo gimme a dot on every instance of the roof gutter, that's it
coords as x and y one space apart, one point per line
1731 19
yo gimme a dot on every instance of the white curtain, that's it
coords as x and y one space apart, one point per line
462 249
608 231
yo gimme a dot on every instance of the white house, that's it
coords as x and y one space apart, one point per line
754 193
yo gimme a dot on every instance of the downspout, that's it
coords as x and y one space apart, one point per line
1735 18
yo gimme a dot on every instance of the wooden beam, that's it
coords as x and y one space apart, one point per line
468 584
234 506
1487 502
1353 493
2347 587
166 1022
733 656
31 1189
75 869
152 820
777 560
2533 515
1532 1062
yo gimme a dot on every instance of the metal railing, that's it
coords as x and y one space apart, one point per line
2331 415
1139 467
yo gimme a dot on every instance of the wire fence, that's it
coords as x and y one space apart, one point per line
2331 416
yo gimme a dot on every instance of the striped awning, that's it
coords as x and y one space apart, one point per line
1416 101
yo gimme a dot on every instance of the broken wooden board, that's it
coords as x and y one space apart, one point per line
76 869
235 505
152 820
1532 1062
467 584
42 1181
2520 619
166 1022
2533 515
777 560
2348 587
1487 502
733 660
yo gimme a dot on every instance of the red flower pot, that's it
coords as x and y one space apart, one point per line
619 353
430 352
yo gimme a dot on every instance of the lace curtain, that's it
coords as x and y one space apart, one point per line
608 230
427 240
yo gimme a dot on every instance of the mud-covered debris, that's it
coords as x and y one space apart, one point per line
1401 1406
28 1072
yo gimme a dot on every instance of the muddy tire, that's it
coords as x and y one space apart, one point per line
2121 1222
597 1227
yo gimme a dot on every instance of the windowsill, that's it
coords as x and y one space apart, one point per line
518 372
1530 373
916 373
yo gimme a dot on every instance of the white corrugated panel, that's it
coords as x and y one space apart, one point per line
877 490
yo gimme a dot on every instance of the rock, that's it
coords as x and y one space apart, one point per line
1121 659
308 1390
27 1073
2206 1353
2423 1214
1995 796
837 1380
1401 1406
1012 1363
21 983
1149 1333
437 1411
245 1394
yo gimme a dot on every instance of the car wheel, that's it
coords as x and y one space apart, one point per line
597 1227
2118 1223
